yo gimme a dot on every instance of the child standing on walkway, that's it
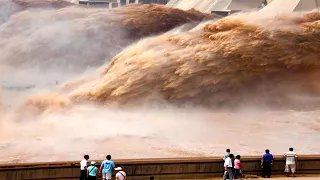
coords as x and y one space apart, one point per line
237 168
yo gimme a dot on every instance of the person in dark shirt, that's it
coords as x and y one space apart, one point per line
266 163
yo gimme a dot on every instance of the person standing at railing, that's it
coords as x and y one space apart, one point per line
228 168
291 162
237 168
106 168
266 163
83 167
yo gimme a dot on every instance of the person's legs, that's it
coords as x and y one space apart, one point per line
237 174
240 174
108 176
83 175
225 175
104 175
287 169
264 168
293 169
92 177
268 170
230 172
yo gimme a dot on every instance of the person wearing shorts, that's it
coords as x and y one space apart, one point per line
106 168
291 162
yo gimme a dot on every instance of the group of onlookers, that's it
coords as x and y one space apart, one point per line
106 168
233 165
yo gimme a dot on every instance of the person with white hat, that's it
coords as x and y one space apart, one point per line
120 175
92 171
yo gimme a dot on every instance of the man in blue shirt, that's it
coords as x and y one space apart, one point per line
266 163
107 167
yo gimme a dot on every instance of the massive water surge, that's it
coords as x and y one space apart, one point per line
149 81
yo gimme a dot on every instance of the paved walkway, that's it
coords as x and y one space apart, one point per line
308 177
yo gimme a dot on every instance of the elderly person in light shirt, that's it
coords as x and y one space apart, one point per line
120 174
228 167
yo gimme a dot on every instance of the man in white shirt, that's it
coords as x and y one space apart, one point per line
83 167
120 175
228 168
291 162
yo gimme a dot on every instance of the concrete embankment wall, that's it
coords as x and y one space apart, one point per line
143 169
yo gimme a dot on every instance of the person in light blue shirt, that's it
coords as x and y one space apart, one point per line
107 167
92 171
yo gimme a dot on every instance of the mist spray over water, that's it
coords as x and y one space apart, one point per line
168 95
230 62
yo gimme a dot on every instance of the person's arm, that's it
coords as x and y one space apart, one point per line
87 172
113 165
271 159
226 166
101 167
296 160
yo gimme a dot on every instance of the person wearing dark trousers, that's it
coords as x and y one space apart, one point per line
83 167
228 168
266 163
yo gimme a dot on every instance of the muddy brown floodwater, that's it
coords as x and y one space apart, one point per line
150 81
153 132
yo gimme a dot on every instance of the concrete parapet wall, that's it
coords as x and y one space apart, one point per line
143 169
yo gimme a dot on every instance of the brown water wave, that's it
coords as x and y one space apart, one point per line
76 37
234 61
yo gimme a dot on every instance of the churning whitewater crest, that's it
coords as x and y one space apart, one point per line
227 63
42 47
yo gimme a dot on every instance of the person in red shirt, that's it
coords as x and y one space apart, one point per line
237 168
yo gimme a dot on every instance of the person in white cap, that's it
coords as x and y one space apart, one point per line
92 171
120 175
